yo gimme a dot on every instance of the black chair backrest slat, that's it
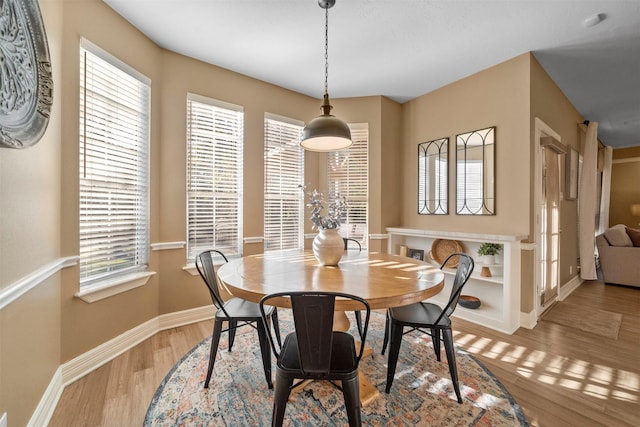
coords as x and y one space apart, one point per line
313 322
206 268
313 318
463 272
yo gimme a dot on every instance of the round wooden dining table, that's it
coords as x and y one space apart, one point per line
384 280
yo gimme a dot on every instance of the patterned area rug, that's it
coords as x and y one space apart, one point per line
422 393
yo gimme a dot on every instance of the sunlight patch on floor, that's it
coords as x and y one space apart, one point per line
594 380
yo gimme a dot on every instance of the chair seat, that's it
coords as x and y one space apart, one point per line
343 356
240 309
419 314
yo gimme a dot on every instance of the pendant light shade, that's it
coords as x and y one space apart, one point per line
326 132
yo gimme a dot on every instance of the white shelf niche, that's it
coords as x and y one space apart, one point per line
499 294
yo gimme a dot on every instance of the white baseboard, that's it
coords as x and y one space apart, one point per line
569 287
91 360
44 411
528 320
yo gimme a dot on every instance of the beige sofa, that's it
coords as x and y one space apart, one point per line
619 255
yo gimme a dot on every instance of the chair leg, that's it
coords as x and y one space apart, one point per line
233 325
215 340
280 397
265 349
449 348
351 392
394 351
435 338
276 326
385 340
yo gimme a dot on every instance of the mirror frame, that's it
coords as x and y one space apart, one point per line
485 141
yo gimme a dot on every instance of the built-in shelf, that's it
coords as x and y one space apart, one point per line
476 275
499 294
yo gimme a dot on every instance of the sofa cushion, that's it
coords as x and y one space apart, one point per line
617 236
634 235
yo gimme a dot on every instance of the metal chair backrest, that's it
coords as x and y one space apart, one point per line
463 272
313 320
206 268
349 239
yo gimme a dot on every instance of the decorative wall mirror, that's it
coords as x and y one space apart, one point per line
25 74
475 172
433 166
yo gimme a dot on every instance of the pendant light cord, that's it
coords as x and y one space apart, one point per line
326 50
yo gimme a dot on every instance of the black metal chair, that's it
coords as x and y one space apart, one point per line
349 239
234 310
315 351
428 315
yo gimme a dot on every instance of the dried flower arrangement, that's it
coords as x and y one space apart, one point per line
336 210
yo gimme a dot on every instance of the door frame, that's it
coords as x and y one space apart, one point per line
541 130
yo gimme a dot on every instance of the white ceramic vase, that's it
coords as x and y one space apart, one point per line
328 246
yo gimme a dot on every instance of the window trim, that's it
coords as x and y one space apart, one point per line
104 286
115 285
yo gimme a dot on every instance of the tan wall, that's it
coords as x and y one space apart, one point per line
625 186
391 202
30 240
498 96
549 104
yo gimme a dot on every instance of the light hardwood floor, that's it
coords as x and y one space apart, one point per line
559 375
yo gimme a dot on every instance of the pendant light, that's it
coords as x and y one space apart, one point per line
326 132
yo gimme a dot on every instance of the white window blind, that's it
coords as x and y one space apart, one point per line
283 173
214 176
114 166
348 176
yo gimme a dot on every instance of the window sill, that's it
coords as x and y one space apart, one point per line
191 269
111 287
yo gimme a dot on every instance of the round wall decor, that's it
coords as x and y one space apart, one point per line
26 85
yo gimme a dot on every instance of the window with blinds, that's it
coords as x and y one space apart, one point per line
348 176
283 174
114 166
214 176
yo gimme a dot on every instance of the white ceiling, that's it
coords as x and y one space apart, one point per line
405 48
